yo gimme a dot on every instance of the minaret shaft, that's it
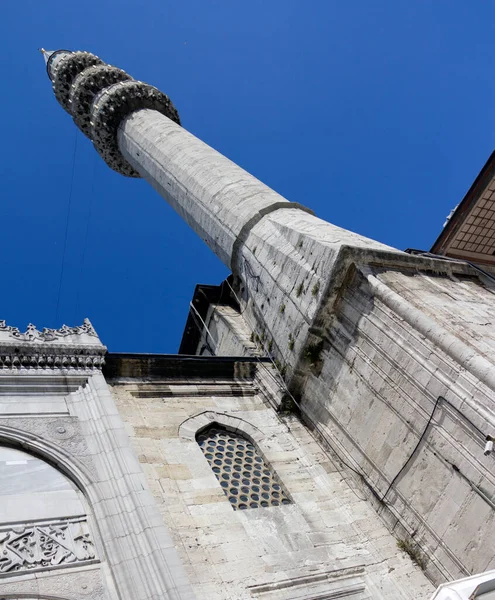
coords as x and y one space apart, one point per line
136 129
221 201
216 197
282 255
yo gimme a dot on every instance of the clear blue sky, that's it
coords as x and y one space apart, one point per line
377 115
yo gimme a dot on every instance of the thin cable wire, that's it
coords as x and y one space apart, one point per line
205 326
66 226
282 386
474 487
391 484
241 312
200 329
85 242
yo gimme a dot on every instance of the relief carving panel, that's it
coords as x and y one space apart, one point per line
45 545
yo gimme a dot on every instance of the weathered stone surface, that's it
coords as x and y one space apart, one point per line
217 198
118 527
389 357
242 554
377 389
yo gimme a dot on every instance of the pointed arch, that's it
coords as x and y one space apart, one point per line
190 428
52 454
44 514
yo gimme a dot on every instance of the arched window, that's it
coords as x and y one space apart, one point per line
43 523
246 479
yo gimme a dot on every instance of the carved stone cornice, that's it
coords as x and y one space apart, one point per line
99 97
48 335
111 106
65 348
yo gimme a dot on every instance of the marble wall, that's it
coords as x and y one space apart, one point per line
327 541
77 519
403 364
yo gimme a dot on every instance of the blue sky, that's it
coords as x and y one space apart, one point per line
377 115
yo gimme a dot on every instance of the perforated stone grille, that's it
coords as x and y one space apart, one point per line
247 481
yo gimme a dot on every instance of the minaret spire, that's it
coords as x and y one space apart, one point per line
46 54
99 97
275 247
136 129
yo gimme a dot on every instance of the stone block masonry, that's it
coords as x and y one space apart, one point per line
368 340
329 538
382 386
111 544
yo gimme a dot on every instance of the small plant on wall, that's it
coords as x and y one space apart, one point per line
313 351
413 551
291 342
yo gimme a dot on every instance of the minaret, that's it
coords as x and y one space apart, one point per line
281 254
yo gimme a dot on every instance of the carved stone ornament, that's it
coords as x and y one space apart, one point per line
68 69
99 97
111 106
45 545
48 335
65 348
84 89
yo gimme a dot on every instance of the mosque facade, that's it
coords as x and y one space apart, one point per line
325 430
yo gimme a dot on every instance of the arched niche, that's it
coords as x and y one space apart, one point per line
190 428
43 517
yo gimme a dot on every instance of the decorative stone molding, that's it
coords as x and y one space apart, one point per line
341 583
76 583
67 70
48 335
112 106
86 86
43 360
187 390
65 348
99 97
189 428
45 545
39 385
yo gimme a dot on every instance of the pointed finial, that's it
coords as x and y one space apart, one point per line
46 53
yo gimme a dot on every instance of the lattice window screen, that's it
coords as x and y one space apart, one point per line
247 481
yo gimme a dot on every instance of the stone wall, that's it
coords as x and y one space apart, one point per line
227 334
55 405
404 361
327 541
